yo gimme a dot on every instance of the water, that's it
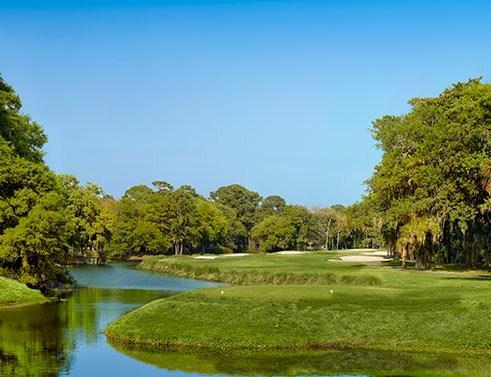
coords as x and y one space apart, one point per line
67 339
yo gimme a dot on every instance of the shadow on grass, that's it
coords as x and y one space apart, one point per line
476 278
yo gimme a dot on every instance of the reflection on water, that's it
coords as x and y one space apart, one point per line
32 341
357 362
67 339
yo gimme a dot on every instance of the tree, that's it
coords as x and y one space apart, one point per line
244 202
271 205
25 137
430 190
213 227
92 213
163 185
304 224
325 219
34 226
36 250
138 225
274 233
183 220
22 184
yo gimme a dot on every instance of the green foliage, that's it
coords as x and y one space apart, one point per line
45 220
271 205
431 189
92 214
36 248
298 228
22 184
23 136
158 222
243 201
274 233
33 224
136 230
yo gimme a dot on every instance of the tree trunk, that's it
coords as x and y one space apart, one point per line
327 234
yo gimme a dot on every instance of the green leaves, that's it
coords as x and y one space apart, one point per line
39 244
274 233
432 182
26 138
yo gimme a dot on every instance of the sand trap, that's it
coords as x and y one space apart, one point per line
220 256
290 252
381 253
363 258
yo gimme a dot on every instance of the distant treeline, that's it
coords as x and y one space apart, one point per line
166 220
428 200
49 220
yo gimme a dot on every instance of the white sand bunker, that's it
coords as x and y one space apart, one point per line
220 256
380 253
286 252
363 258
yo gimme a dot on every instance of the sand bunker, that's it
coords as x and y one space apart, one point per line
363 258
381 253
286 252
220 256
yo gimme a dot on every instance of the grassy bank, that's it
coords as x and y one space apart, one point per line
403 311
311 268
14 293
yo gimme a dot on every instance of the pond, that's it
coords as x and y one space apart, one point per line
67 339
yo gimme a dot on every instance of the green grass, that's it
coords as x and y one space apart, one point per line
313 302
14 293
273 269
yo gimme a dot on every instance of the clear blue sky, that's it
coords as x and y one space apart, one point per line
275 95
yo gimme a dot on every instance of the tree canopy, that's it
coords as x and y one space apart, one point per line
432 188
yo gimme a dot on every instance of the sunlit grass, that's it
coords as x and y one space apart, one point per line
15 293
404 310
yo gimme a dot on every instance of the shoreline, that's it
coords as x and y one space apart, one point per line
259 313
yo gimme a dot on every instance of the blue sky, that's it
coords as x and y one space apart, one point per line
276 95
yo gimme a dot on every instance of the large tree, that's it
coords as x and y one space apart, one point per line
44 218
432 188
34 227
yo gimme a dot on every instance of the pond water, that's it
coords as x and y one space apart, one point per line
67 339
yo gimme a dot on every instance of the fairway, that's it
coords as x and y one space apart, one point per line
364 307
